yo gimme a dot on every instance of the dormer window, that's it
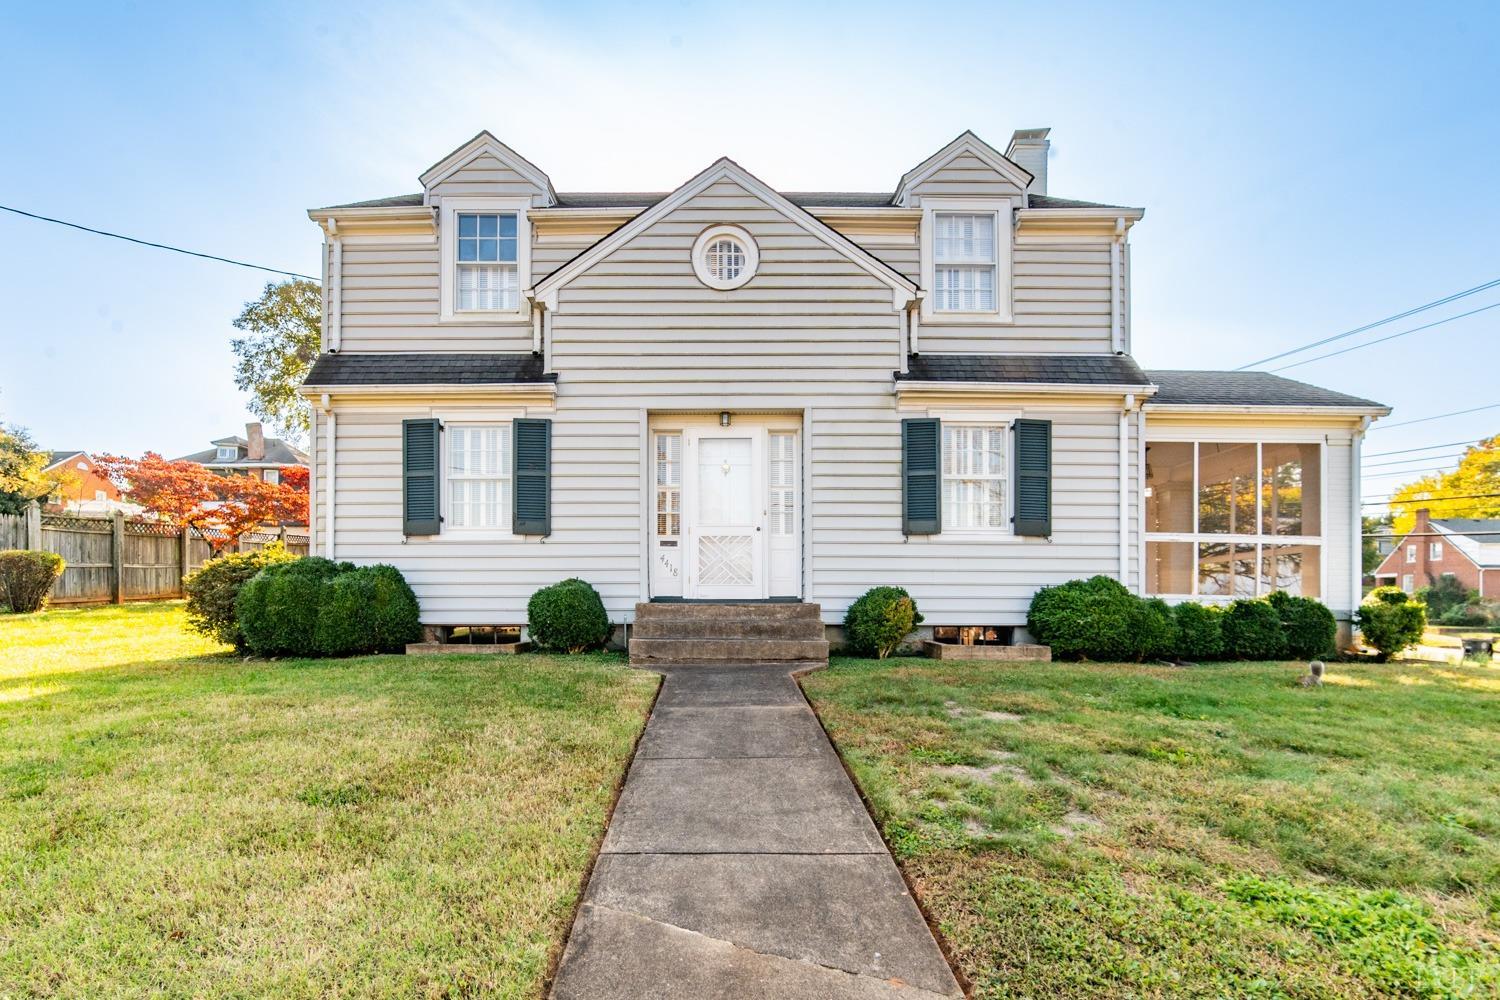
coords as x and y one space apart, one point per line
485 259
963 262
228 453
966 260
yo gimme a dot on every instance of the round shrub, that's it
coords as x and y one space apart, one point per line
26 578
278 608
1252 631
1200 634
1091 619
567 616
879 620
213 589
1308 625
1390 621
1155 629
371 609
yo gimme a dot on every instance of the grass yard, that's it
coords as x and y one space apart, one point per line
177 822
1101 830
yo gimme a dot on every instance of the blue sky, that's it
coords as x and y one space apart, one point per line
1305 168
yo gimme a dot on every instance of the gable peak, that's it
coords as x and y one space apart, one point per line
485 143
966 142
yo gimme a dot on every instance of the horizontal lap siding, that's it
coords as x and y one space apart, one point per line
967 176
485 177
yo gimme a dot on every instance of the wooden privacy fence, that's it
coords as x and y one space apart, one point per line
117 559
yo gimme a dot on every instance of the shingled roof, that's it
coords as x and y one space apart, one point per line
334 370
645 199
1211 388
1050 369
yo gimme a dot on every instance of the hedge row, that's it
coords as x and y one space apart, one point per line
314 607
1099 619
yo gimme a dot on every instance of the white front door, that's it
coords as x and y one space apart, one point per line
724 497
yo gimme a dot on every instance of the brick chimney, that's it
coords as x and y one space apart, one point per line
1029 147
256 452
1424 522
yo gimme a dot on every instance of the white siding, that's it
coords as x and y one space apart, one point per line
967 176
486 177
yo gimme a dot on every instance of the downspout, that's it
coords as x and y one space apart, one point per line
546 340
903 322
1140 499
1357 529
1125 412
1116 337
328 515
335 288
536 328
915 327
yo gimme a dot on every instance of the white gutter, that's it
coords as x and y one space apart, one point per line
439 389
333 426
335 288
1140 498
1082 388
1256 409
1116 338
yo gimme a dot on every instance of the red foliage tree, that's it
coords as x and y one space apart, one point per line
221 508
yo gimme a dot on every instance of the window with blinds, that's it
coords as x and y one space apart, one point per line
488 280
974 476
725 259
668 485
478 473
782 473
964 262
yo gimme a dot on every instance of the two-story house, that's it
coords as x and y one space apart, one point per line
731 392
1465 548
253 455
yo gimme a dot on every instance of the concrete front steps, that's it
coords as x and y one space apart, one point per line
716 634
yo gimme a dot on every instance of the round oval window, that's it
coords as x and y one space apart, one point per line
725 257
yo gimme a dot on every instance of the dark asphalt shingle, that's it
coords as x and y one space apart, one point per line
1055 369
1210 388
426 369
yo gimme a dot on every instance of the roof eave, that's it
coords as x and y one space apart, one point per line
1087 388
547 387
1307 409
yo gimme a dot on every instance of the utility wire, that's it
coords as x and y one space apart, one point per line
1455 496
1381 340
158 246
1428 534
1440 416
1371 326
1427 447
1418 458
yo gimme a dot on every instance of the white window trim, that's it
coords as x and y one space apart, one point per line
700 257
1003 210
1006 528
502 530
1323 540
227 453
448 260
1411 553
1435 550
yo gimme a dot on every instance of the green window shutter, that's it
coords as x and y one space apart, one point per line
421 482
533 477
921 476
1033 477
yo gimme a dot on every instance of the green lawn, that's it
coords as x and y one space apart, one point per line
1101 830
177 822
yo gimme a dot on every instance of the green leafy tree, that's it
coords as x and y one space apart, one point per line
284 330
1369 529
21 464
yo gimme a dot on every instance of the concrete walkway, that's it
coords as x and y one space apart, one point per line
741 863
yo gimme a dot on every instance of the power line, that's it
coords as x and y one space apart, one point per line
1440 416
1381 340
1371 326
1455 496
1418 458
158 246
1430 534
1428 447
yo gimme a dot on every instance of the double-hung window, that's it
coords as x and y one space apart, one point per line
228 453
488 280
478 475
964 262
974 463
1435 551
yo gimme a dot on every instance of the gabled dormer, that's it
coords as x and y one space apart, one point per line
481 194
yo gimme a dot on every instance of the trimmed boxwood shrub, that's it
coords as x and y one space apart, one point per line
1094 619
1252 631
370 609
878 622
1200 634
1390 621
26 578
213 589
1155 629
278 608
1308 625
567 616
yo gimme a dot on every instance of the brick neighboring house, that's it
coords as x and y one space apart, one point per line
82 485
1465 548
253 455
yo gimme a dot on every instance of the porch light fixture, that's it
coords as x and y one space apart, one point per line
724 418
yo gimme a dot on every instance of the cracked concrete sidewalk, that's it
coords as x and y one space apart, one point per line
740 862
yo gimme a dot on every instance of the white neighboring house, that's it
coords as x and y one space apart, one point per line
731 392
253 455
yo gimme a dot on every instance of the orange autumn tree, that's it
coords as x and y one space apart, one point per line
1474 487
221 508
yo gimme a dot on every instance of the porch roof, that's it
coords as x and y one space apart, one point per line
1036 369
337 370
